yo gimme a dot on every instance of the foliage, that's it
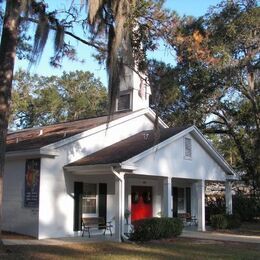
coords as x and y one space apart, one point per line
233 221
215 208
218 221
39 100
248 208
223 221
218 76
129 28
156 228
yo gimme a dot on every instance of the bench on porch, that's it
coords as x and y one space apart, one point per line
187 219
98 223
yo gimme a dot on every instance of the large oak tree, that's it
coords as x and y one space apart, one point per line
218 74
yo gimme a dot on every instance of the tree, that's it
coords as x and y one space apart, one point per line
131 28
39 100
171 100
114 19
218 60
83 95
16 12
7 56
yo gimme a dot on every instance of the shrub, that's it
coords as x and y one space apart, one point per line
233 221
219 221
246 207
156 228
214 208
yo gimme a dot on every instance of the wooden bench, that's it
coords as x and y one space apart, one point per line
187 219
99 222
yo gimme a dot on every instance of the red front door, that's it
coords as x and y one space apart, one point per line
142 203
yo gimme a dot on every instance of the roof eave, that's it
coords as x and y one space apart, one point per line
152 115
39 152
99 167
139 156
216 155
95 130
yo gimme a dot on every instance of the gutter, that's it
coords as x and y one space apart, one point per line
100 167
32 153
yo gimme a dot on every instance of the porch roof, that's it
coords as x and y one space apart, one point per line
128 148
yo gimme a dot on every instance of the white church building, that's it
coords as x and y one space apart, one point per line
56 175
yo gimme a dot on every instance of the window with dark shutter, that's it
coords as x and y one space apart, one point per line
123 102
90 200
187 148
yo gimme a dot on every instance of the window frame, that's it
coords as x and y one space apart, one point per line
124 93
85 196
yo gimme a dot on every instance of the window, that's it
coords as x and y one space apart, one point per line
123 102
89 200
187 148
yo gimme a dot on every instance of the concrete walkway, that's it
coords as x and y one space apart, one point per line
211 235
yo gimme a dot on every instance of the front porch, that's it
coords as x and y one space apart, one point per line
112 193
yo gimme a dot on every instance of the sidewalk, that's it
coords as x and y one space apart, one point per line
220 236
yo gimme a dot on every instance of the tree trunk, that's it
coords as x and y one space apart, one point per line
7 58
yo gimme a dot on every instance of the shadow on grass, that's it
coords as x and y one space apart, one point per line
166 249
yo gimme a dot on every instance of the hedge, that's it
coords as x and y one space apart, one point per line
222 221
156 228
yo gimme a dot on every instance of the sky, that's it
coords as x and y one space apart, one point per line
183 7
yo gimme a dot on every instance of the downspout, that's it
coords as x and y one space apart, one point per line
122 206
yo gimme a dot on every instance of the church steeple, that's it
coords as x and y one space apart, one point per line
134 91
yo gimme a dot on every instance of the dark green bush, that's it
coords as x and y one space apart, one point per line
233 221
248 208
218 221
156 228
214 208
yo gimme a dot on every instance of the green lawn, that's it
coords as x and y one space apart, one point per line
247 228
179 248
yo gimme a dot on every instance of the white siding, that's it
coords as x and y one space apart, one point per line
17 218
56 200
170 161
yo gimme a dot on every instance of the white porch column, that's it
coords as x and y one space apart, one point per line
118 192
201 204
228 197
167 197
120 205
123 204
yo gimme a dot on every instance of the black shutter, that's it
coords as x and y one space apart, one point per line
78 190
102 200
188 200
175 202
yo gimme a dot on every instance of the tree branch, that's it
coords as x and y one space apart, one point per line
97 47
215 131
215 122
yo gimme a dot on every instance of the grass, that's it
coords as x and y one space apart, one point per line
178 248
247 228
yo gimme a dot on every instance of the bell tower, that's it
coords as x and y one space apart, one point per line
134 91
